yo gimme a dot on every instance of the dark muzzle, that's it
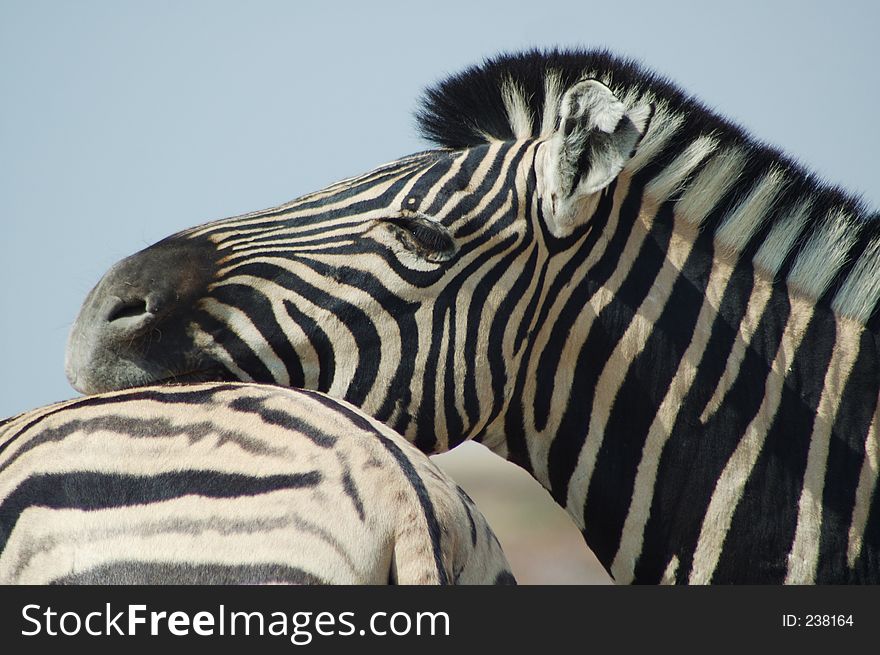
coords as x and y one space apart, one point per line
133 326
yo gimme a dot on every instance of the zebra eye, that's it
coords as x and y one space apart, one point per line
426 238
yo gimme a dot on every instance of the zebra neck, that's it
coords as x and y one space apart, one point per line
670 369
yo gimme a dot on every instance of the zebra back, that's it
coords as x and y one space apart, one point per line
229 483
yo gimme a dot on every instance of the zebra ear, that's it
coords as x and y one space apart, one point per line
594 139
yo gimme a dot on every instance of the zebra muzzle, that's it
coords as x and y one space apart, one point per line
132 327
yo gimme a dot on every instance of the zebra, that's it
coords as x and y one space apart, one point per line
229 483
671 326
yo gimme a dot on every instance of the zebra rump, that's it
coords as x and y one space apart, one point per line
229 484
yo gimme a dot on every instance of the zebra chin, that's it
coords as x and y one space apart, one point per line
98 360
91 377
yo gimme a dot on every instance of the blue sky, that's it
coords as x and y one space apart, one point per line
121 123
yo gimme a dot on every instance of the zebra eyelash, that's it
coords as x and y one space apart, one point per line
425 237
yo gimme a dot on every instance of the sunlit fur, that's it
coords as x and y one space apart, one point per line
691 372
231 484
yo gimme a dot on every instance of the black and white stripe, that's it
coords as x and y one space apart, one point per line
229 484
670 325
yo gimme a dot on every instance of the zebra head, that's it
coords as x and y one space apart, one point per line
410 291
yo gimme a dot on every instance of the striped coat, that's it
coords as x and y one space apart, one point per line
231 484
671 326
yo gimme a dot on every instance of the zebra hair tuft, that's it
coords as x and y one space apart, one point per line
765 204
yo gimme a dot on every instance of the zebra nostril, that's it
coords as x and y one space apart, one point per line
129 314
129 309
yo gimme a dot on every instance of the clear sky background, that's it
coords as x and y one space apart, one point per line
123 122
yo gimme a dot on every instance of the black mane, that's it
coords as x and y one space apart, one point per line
461 110
468 109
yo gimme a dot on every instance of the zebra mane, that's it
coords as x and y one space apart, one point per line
506 97
759 202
